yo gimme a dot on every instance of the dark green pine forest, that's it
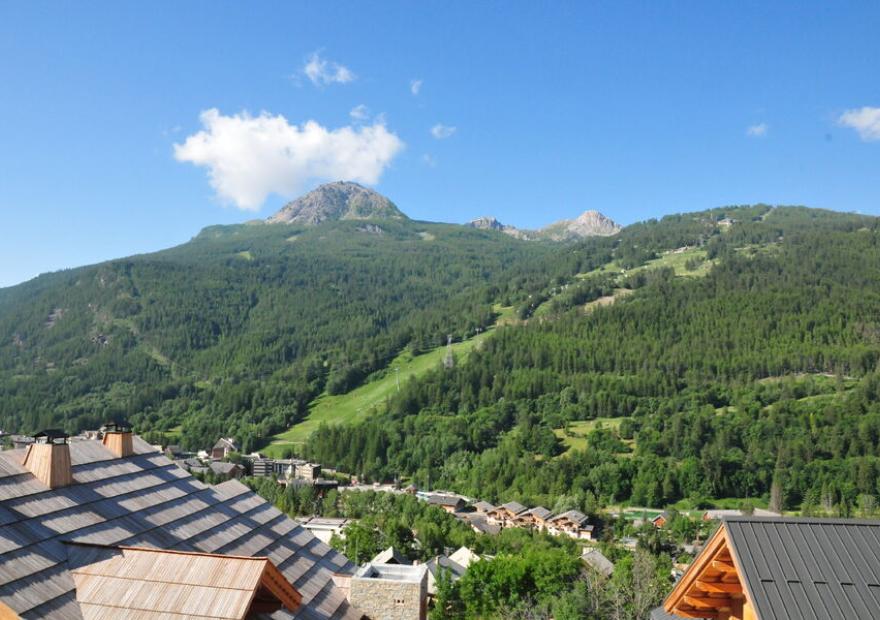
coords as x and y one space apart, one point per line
757 380
725 353
237 330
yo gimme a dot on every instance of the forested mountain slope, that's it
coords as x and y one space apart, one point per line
237 330
759 376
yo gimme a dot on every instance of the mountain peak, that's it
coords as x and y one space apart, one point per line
342 200
587 224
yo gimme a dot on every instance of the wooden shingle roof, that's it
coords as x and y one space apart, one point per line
145 500
116 583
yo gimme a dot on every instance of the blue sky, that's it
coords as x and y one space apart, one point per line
531 112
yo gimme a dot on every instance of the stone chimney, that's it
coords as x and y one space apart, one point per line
118 438
48 458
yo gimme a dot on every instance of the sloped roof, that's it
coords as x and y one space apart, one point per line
464 557
597 560
806 569
483 506
514 507
539 512
219 467
390 556
456 569
576 516
151 584
439 499
145 500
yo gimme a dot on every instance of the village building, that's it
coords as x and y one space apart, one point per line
661 520
226 471
598 562
390 591
479 523
123 499
135 582
535 518
505 515
390 556
449 503
483 508
572 523
323 528
464 557
223 448
308 471
765 568
442 563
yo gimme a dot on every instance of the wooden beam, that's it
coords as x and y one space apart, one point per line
702 602
719 587
724 567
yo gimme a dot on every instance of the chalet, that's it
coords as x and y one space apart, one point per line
449 503
120 500
505 515
223 448
483 507
572 523
535 518
479 523
598 562
661 520
763 568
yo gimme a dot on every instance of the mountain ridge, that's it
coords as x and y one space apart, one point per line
588 224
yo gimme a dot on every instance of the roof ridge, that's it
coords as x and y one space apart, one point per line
172 551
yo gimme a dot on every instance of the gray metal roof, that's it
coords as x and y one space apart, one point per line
146 500
808 569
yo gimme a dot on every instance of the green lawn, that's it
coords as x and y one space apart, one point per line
577 440
362 401
670 259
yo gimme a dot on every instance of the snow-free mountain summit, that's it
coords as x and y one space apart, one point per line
342 200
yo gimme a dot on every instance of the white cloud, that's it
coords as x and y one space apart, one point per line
415 86
864 120
249 157
757 131
360 112
323 72
441 132
429 160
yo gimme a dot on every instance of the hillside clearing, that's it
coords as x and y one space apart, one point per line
362 401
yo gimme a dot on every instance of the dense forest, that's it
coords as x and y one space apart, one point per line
237 330
756 380
746 369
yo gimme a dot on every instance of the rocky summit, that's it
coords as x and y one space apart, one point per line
587 224
342 200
